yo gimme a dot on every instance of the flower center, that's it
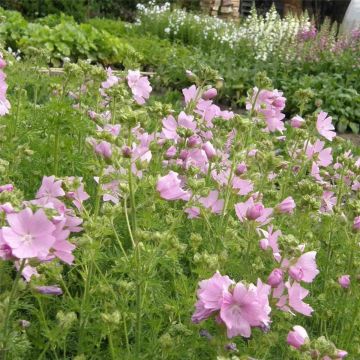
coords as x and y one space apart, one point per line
27 239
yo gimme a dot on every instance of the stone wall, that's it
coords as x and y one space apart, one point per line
221 8
230 8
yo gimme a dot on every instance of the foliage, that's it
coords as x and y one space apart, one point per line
131 290
61 37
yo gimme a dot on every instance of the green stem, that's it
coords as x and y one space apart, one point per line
98 194
118 240
18 105
137 264
56 149
8 307
84 303
111 345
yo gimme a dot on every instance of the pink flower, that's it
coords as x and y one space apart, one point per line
287 206
2 63
296 294
210 294
139 85
209 94
244 186
7 208
305 268
193 141
49 290
28 271
212 202
186 121
356 225
208 111
170 125
297 337
270 239
5 249
62 248
344 281
193 212
241 169
190 93
245 307
79 196
323 158
209 150
297 121
103 149
7 188
111 79
4 103
341 354
275 278
171 152
29 235
328 201
169 187
324 126
50 189
273 119
253 211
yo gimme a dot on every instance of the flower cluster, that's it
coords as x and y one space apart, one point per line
237 305
39 231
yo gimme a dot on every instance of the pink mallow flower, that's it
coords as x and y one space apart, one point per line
270 240
287 206
6 188
328 201
305 268
245 307
297 121
210 296
139 85
49 290
209 94
344 281
30 234
323 157
275 278
4 102
356 224
190 93
324 126
103 149
296 294
250 210
78 196
50 189
169 187
298 337
213 202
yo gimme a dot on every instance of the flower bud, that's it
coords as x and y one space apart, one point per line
209 150
297 121
126 151
49 290
275 278
241 169
255 211
344 281
209 94
298 337
193 140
